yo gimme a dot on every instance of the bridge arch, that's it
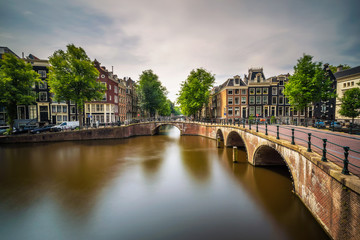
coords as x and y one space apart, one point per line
155 131
266 155
234 139
219 138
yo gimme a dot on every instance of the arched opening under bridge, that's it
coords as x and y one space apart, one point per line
166 129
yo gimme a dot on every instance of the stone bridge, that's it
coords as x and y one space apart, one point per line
333 198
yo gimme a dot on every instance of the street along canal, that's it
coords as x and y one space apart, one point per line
158 187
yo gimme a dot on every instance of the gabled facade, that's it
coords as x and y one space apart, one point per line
346 79
106 110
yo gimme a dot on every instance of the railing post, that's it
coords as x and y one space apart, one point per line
345 170
324 151
257 127
266 131
309 142
277 132
293 136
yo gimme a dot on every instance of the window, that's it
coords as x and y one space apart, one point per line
98 107
64 109
281 83
287 101
352 83
258 78
258 91
251 111
281 113
104 97
116 99
230 111
274 100
32 112
42 73
258 99
230 100
58 108
281 91
237 111
274 91
42 96
236 82
73 109
243 91
58 118
53 109
258 110
42 85
281 100
109 87
110 96
252 91
265 99
230 92
252 100
237 91
243 100
237 100
344 85
265 90
116 89
64 118
295 113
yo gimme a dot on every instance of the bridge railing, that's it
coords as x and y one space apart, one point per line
341 155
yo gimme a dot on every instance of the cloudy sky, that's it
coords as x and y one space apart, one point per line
172 37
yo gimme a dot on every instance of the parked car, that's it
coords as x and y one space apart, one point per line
42 129
64 126
24 129
335 125
319 124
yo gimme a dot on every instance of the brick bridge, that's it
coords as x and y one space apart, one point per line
333 198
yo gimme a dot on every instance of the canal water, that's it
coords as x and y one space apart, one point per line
158 187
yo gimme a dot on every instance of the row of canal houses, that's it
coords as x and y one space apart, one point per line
254 95
119 102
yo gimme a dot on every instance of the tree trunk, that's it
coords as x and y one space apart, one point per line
11 109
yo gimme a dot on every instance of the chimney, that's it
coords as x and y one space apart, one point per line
112 69
339 68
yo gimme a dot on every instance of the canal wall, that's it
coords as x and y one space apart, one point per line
332 198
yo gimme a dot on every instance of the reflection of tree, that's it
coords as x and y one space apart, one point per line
194 154
73 171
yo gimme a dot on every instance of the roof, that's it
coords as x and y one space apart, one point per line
347 72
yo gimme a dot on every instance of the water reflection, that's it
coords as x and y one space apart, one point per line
160 187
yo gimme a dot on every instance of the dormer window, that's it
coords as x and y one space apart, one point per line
258 78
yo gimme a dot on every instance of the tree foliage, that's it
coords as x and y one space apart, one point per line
350 103
16 81
152 95
308 84
72 76
195 91
334 68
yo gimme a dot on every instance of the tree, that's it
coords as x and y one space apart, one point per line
308 84
72 76
195 91
16 81
334 69
152 95
165 109
350 104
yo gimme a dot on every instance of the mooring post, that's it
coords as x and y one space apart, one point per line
292 136
218 143
235 154
277 132
257 127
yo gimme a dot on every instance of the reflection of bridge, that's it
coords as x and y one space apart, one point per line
332 197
